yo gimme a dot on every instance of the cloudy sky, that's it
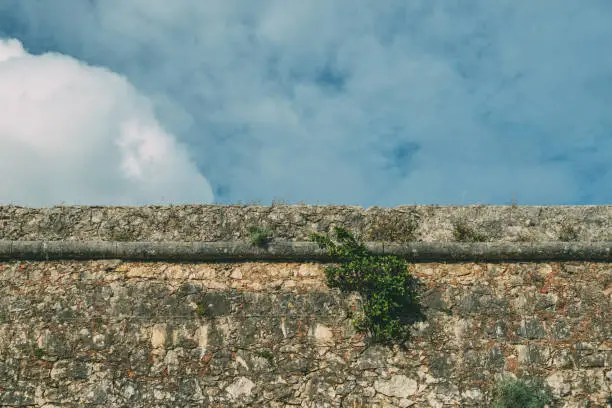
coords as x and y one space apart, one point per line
347 102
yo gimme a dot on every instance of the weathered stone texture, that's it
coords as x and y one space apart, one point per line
118 333
114 333
294 222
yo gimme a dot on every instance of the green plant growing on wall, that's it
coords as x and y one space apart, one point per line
121 235
38 352
463 232
568 233
202 310
265 353
390 294
517 394
31 348
259 236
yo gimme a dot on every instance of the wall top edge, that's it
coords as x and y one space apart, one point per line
307 205
216 223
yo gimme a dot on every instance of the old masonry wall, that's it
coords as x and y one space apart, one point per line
172 306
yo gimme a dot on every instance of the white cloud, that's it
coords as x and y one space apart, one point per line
76 134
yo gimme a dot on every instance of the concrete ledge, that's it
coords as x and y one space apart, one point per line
289 251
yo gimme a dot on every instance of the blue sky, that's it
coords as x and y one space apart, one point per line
345 102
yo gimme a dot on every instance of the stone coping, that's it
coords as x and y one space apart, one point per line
240 251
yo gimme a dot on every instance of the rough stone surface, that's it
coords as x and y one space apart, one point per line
293 222
117 333
158 334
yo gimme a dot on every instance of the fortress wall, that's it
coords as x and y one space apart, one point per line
98 308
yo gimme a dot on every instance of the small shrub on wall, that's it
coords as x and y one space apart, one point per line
389 292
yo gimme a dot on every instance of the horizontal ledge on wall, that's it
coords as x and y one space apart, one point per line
290 251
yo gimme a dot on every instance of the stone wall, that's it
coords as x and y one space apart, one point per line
131 333
211 223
